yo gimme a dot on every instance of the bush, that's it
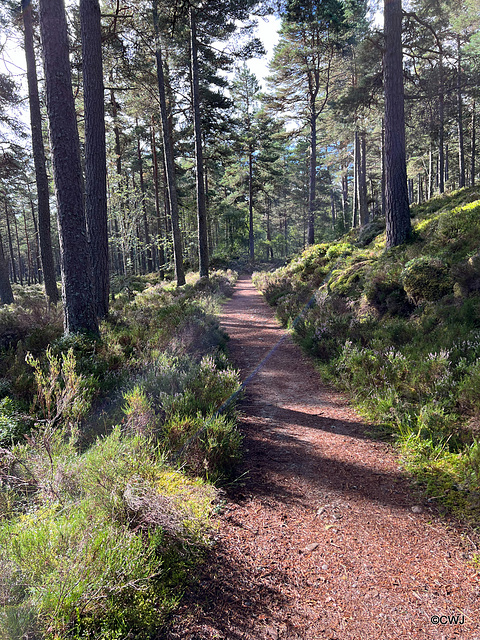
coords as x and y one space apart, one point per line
387 295
13 425
94 561
105 539
208 447
467 276
426 279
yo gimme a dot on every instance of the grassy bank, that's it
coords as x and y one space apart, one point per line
400 331
106 495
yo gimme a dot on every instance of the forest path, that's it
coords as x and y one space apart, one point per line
324 539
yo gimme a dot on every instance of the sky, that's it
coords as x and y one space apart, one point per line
267 31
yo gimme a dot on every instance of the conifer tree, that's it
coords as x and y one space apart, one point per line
77 291
396 206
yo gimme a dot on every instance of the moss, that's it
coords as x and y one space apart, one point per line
426 279
349 281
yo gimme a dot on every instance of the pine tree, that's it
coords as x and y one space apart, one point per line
77 291
396 206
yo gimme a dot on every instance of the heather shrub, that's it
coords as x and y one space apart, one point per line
106 532
94 559
208 447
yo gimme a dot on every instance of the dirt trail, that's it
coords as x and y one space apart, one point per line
324 539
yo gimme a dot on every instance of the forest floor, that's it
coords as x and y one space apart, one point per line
322 537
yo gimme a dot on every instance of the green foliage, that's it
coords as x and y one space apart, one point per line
208 447
13 425
386 294
62 393
426 279
95 560
105 532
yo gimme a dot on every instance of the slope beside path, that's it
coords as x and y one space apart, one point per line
322 538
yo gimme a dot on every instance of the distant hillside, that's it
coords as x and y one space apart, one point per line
400 330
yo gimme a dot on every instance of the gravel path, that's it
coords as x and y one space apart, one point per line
322 538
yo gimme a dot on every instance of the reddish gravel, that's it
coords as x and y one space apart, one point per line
323 538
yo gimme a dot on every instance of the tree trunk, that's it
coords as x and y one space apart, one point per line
269 231
160 249
10 242
362 182
344 199
447 165
6 293
30 276
461 151
332 208
20 274
201 206
41 178
146 230
441 118
397 209
37 240
95 152
119 261
251 241
474 145
383 169
168 152
356 164
77 289
313 173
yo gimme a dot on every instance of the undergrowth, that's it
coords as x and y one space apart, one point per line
109 451
400 330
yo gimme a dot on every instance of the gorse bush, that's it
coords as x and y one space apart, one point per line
400 331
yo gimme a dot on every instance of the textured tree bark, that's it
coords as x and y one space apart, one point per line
430 171
474 146
146 230
6 293
37 239
77 289
119 261
383 170
312 199
161 252
168 152
461 150
362 182
441 124
20 270
95 152
344 199
41 178
356 164
251 240
201 206
31 272
397 210
447 165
